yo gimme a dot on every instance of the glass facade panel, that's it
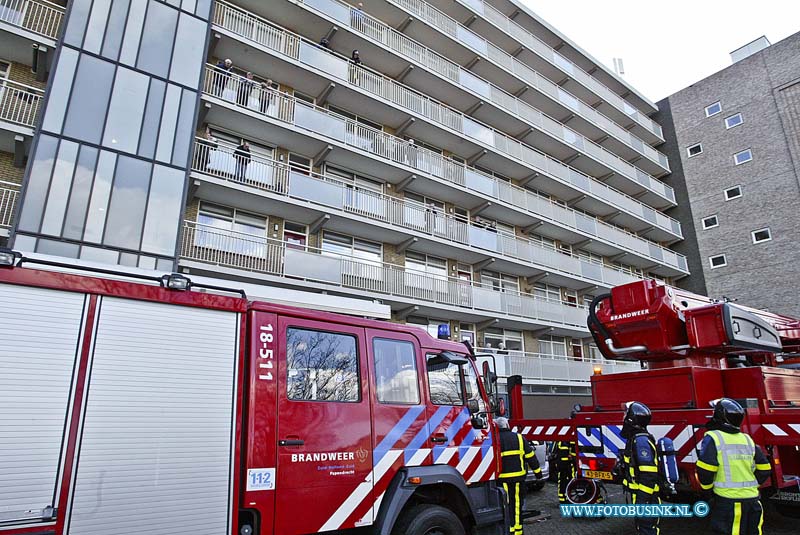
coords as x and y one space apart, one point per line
76 28
133 33
60 186
163 211
38 183
126 110
59 92
115 29
152 118
81 189
169 119
89 101
101 191
159 27
183 133
97 26
128 200
188 54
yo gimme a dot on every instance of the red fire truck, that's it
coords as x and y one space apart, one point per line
695 350
138 404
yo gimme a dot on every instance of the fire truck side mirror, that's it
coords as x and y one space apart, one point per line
501 407
474 406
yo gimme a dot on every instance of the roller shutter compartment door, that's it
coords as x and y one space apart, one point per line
155 449
39 334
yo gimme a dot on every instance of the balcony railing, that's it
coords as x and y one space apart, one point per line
19 103
220 160
458 32
37 16
251 26
332 64
539 47
250 95
8 202
548 368
212 245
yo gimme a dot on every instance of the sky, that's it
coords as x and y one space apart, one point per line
668 45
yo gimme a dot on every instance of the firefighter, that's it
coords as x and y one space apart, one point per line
516 452
564 456
640 464
733 466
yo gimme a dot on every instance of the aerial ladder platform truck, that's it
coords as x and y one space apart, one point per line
693 350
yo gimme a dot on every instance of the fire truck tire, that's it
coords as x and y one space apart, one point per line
428 520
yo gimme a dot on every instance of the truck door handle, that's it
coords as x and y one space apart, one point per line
438 438
291 442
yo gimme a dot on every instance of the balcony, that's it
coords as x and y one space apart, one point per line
8 203
309 267
395 155
19 103
300 56
395 50
540 368
501 29
558 67
27 22
356 211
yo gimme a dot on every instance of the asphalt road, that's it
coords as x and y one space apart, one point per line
547 501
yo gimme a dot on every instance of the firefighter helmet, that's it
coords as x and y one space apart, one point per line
637 418
728 415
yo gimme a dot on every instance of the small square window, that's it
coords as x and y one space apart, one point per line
694 150
762 235
713 109
743 157
718 261
733 120
710 222
733 193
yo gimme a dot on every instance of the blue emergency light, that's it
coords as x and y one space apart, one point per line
444 331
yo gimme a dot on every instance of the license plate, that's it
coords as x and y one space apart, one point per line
596 474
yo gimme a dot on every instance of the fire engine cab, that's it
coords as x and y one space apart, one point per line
693 350
136 403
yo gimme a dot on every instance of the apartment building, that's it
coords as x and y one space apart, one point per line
734 141
462 162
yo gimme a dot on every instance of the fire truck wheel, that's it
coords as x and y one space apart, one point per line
428 520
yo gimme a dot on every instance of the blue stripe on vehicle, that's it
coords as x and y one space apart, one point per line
487 444
466 443
397 431
585 441
427 430
451 432
617 431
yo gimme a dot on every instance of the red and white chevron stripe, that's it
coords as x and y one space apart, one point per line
782 430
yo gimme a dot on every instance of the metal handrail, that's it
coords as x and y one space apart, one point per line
230 87
258 254
8 203
401 44
219 159
37 16
19 103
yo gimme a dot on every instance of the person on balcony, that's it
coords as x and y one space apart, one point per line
246 86
355 58
205 145
266 96
223 75
242 155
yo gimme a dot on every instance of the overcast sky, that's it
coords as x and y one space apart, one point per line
668 45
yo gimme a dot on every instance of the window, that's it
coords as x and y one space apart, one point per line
304 98
354 117
733 120
427 264
503 339
500 282
547 292
553 345
733 193
444 381
710 222
471 386
694 150
228 229
743 157
395 371
299 163
321 366
467 331
339 244
718 261
713 109
762 235
570 297
295 235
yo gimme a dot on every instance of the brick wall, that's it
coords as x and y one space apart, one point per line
9 173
